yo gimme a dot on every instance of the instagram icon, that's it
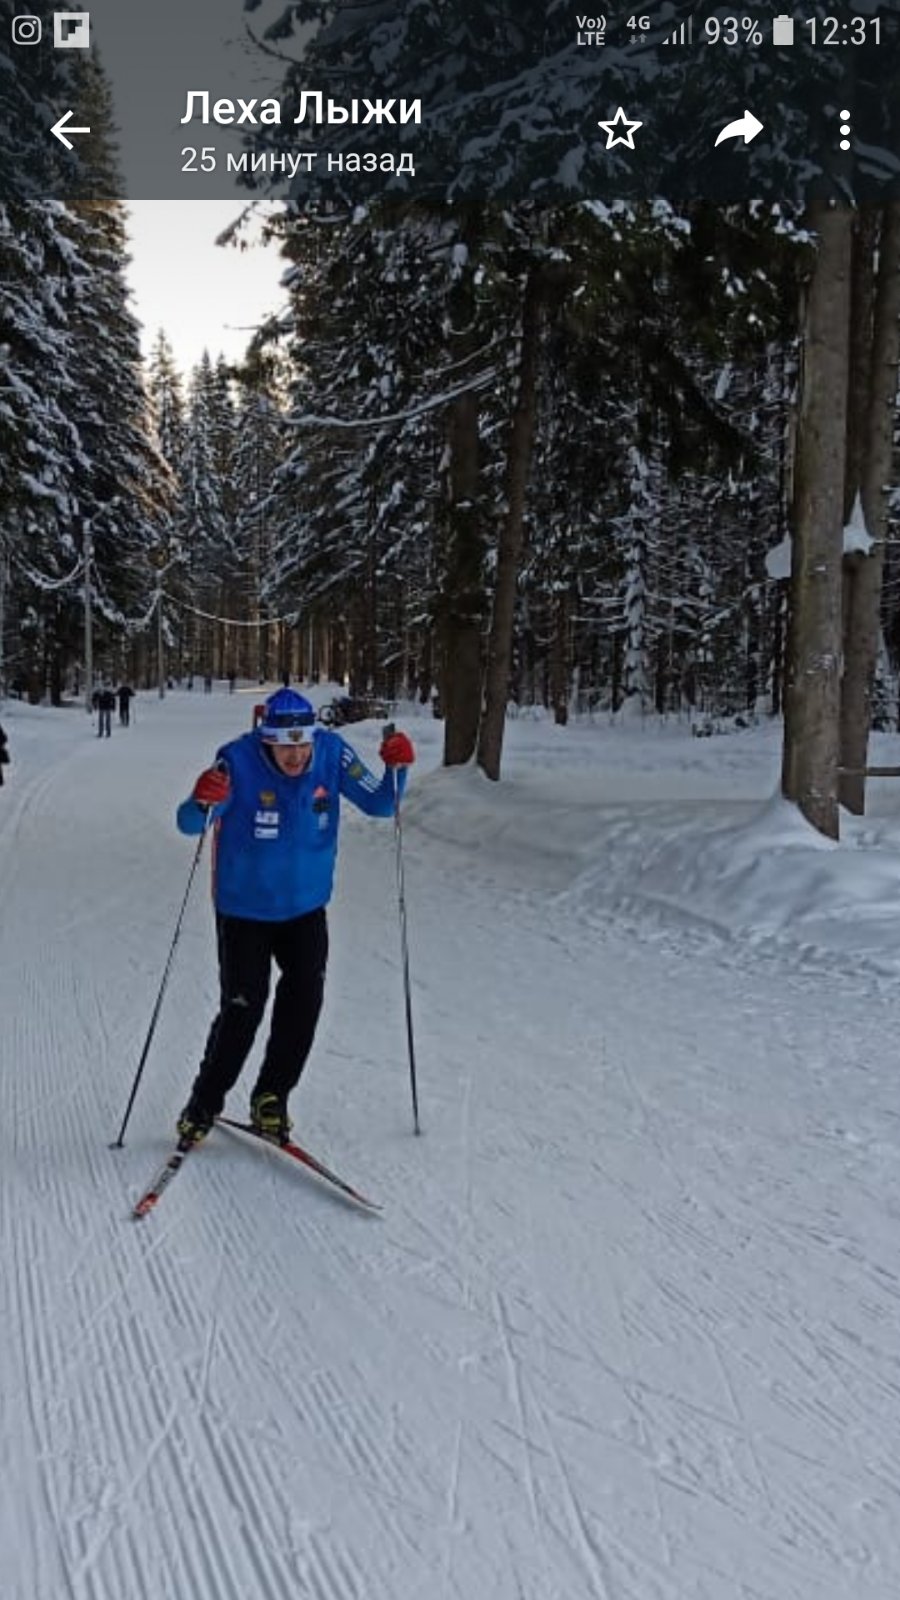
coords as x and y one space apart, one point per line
26 30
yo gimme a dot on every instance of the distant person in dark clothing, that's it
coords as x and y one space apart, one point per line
104 703
232 680
4 754
124 695
207 683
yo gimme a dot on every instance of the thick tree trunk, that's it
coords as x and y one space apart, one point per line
859 378
461 604
812 687
864 573
463 601
509 552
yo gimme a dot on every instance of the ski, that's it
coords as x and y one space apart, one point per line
151 1194
297 1153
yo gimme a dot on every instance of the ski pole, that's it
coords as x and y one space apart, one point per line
404 947
117 1144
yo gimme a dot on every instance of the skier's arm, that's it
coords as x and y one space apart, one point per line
211 793
359 785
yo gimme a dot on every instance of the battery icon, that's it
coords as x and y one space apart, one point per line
783 30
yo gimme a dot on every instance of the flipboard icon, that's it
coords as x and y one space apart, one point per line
591 30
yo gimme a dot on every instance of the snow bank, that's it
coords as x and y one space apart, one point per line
651 823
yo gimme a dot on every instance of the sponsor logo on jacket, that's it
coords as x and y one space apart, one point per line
266 824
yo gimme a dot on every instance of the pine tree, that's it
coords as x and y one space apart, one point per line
259 450
39 545
169 426
204 520
362 452
164 387
79 455
121 482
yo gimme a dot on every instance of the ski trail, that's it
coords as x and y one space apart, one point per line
86 1563
211 1338
743 1426
517 1396
628 1331
645 1441
649 1127
36 1358
596 1563
455 1466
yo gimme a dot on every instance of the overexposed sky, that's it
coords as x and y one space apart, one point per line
203 295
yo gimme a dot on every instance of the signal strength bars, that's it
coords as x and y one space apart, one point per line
682 35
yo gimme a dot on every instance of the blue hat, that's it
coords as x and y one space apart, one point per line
288 719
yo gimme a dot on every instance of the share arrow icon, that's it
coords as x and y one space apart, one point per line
746 127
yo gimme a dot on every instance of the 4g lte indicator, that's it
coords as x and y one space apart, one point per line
591 30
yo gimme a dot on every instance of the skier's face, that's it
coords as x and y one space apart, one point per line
291 759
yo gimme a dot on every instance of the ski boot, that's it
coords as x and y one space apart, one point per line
194 1123
268 1115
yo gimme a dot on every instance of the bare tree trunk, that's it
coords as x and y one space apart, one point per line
812 688
859 378
369 630
509 551
463 600
863 577
616 692
560 665
461 604
777 665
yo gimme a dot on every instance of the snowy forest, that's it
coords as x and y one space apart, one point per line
592 490
599 457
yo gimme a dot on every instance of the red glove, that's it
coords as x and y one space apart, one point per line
397 751
212 787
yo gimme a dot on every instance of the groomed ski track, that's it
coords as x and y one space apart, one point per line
628 1329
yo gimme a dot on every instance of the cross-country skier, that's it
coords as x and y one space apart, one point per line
275 795
104 703
124 695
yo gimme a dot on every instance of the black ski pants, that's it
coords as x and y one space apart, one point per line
299 949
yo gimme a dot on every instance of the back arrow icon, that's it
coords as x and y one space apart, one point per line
61 128
748 125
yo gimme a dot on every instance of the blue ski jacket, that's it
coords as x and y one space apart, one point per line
275 837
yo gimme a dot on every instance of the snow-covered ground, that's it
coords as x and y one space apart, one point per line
629 1325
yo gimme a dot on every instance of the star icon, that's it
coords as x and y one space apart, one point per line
629 129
